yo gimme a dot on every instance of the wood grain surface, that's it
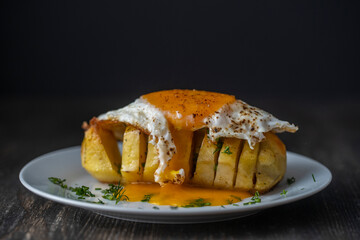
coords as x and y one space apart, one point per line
329 132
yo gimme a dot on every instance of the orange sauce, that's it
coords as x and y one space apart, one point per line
181 195
187 109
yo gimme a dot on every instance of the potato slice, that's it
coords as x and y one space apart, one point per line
247 167
151 164
100 154
134 153
227 163
205 165
271 165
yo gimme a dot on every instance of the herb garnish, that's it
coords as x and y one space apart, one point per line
227 150
82 191
156 208
236 205
58 181
255 199
313 177
143 164
115 192
218 144
174 207
290 180
229 201
147 197
236 197
283 193
200 202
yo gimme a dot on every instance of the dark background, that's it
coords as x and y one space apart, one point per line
117 47
65 62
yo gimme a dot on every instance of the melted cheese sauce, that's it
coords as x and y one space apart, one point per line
187 109
181 195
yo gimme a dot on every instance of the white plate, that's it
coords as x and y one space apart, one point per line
66 164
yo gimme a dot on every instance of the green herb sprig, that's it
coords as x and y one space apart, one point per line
147 197
82 192
255 199
283 193
200 202
229 201
313 177
115 192
236 197
58 181
227 150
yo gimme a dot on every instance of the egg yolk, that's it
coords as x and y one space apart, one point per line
182 195
187 109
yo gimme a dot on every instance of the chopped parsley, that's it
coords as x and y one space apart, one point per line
58 181
255 199
313 177
290 180
218 144
200 202
236 205
227 150
147 197
82 191
174 207
283 193
222 206
236 197
156 208
115 192
229 201
143 164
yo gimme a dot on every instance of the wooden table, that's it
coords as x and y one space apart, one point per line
329 133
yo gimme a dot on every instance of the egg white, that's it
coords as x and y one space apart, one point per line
238 120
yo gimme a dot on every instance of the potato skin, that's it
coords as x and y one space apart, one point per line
271 164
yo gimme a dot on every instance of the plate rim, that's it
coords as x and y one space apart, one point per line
204 211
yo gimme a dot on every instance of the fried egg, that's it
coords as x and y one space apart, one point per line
159 114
